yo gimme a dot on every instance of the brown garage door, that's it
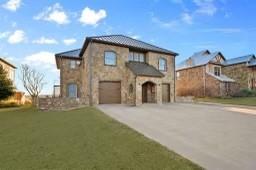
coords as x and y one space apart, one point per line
109 92
166 93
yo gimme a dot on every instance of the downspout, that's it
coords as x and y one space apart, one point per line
135 90
90 74
174 99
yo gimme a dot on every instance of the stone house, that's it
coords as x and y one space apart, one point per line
242 70
18 97
202 75
9 68
117 69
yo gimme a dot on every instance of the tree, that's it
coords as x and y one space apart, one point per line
32 81
6 85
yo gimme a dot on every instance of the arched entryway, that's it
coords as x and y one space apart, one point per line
148 92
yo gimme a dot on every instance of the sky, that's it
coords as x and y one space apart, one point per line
31 32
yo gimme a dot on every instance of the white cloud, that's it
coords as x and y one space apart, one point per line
223 30
92 17
69 41
44 40
165 24
16 37
136 36
12 5
55 14
206 7
187 18
43 58
4 34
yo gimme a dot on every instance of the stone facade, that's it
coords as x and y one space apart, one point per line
197 82
92 63
61 103
241 73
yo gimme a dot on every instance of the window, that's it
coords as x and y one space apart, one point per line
130 89
162 64
110 58
177 75
138 57
217 71
72 64
72 91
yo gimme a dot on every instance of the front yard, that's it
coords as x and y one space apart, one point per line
79 139
247 101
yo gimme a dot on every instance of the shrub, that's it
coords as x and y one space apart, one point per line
245 93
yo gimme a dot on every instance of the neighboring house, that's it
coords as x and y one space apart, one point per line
242 70
117 69
9 68
202 75
18 97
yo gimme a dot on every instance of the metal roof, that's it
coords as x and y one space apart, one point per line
222 77
239 60
198 59
121 40
73 54
143 69
252 63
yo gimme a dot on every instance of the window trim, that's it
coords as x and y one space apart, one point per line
70 61
69 93
165 68
216 72
113 65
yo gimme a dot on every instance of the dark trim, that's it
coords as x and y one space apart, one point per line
6 62
90 39
112 51
165 69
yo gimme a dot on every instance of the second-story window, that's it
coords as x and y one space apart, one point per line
162 64
72 64
138 57
110 58
217 71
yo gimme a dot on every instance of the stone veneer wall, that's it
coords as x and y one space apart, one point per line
191 82
240 73
68 76
61 103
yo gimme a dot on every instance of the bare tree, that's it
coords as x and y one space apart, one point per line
33 82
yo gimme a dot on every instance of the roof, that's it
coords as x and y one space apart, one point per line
124 41
198 59
252 63
6 62
70 54
143 69
239 60
222 78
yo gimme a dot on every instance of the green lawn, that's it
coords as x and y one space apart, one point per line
79 139
248 101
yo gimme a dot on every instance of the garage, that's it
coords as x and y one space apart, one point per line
110 92
165 93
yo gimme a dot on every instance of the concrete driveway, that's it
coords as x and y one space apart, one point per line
215 137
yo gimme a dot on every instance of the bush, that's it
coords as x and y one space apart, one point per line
8 104
245 93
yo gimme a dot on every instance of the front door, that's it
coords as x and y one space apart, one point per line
148 92
165 93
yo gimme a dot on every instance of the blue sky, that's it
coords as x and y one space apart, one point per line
32 31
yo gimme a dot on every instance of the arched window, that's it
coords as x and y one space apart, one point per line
72 90
110 58
162 64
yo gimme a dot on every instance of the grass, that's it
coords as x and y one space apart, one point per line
247 101
79 139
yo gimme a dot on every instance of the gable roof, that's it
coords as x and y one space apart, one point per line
6 62
252 63
198 59
143 69
239 60
69 54
124 41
